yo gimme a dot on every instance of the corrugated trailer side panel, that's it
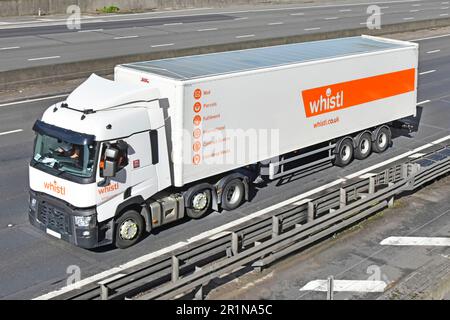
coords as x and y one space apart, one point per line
297 105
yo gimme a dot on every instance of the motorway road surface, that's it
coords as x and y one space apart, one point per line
32 263
44 42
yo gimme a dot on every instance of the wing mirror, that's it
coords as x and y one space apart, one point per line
110 162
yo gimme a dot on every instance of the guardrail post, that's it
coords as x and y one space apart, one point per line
371 185
342 198
234 243
275 226
330 288
175 268
391 199
311 211
104 291
404 170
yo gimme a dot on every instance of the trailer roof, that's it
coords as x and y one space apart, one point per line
200 66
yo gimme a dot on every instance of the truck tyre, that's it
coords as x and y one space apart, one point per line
232 194
364 146
344 152
129 229
199 204
382 140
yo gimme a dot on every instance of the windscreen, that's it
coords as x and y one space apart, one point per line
64 156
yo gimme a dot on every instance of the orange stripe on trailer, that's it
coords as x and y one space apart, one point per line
342 95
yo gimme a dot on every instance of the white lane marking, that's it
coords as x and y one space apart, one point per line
443 14
311 29
384 7
9 132
429 38
434 51
9 48
446 2
110 272
125 37
32 100
242 18
363 23
298 14
423 102
345 10
92 30
401 156
173 24
416 5
332 18
444 8
415 10
275 23
416 155
346 286
209 29
408 18
367 175
229 225
4 23
163 45
427 72
44 58
245 36
416 241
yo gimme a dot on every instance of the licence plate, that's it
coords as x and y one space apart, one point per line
53 233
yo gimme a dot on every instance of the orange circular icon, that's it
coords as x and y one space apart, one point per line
196 159
197 133
197 120
197 94
196 147
197 107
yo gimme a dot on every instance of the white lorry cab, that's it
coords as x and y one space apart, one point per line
180 137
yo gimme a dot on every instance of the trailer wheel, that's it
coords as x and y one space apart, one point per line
129 229
232 194
344 152
364 146
199 204
382 140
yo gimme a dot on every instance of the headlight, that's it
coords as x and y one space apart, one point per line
82 221
33 204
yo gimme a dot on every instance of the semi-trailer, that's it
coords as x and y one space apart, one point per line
183 136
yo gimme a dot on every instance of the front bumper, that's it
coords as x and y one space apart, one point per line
56 217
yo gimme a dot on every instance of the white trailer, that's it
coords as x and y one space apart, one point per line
176 137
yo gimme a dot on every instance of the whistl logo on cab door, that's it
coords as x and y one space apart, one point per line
342 95
111 187
54 187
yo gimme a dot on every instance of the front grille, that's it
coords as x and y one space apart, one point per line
53 218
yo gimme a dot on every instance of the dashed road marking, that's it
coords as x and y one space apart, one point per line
346 286
44 58
416 241
9 132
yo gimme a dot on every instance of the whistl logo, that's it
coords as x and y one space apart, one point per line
329 102
53 186
330 98
109 188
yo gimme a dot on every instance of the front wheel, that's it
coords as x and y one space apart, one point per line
129 229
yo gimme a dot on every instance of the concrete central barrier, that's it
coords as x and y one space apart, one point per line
75 70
